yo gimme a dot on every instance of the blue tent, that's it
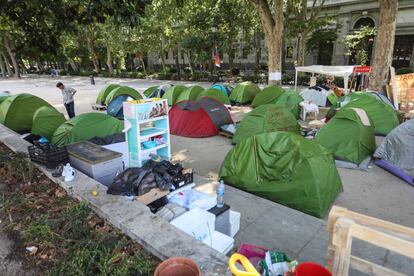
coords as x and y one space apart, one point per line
160 91
115 107
226 89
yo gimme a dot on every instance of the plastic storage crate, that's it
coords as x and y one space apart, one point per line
48 155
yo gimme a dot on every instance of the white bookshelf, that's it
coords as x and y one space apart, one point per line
143 124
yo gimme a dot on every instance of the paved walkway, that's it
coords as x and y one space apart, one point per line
375 192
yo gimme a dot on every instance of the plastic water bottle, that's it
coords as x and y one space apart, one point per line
220 194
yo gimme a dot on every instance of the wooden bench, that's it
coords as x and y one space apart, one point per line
344 225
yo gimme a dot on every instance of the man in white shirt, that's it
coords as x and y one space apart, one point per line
68 93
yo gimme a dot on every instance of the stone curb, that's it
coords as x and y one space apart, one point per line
133 218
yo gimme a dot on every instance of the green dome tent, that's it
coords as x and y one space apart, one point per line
105 92
46 120
123 90
86 126
244 93
290 100
266 118
16 112
3 98
216 94
382 115
190 94
173 93
268 95
149 91
349 136
286 168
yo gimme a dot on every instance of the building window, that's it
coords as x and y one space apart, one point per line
403 49
289 52
364 21
166 54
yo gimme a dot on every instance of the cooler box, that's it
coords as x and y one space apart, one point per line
234 223
220 242
196 222
95 161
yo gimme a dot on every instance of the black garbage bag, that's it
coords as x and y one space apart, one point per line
138 181
111 139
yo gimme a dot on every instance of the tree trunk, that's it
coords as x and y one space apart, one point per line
109 59
143 66
258 48
73 64
177 62
7 64
232 54
91 48
273 28
190 65
412 58
300 57
162 57
384 44
2 68
40 66
12 55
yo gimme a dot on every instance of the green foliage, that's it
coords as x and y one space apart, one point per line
322 35
18 166
39 230
404 70
358 43
70 239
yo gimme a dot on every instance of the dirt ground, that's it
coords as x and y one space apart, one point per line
374 192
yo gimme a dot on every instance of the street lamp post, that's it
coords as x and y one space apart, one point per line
214 31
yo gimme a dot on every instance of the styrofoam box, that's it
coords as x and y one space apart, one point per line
197 222
220 242
122 148
234 223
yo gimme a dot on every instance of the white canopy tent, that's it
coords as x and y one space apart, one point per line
337 71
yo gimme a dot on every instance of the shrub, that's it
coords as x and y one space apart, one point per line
404 70
140 75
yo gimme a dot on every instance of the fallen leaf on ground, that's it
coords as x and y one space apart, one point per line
60 193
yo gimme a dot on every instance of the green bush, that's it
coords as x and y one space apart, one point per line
254 79
404 70
140 75
122 74
163 76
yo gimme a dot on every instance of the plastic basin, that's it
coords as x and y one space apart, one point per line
311 269
179 266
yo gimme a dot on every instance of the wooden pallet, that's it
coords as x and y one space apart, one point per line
98 107
225 134
344 225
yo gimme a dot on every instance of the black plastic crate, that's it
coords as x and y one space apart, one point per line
48 155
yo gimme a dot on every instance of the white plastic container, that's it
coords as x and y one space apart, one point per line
234 223
197 222
220 242
191 199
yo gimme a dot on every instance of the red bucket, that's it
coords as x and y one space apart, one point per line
311 269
